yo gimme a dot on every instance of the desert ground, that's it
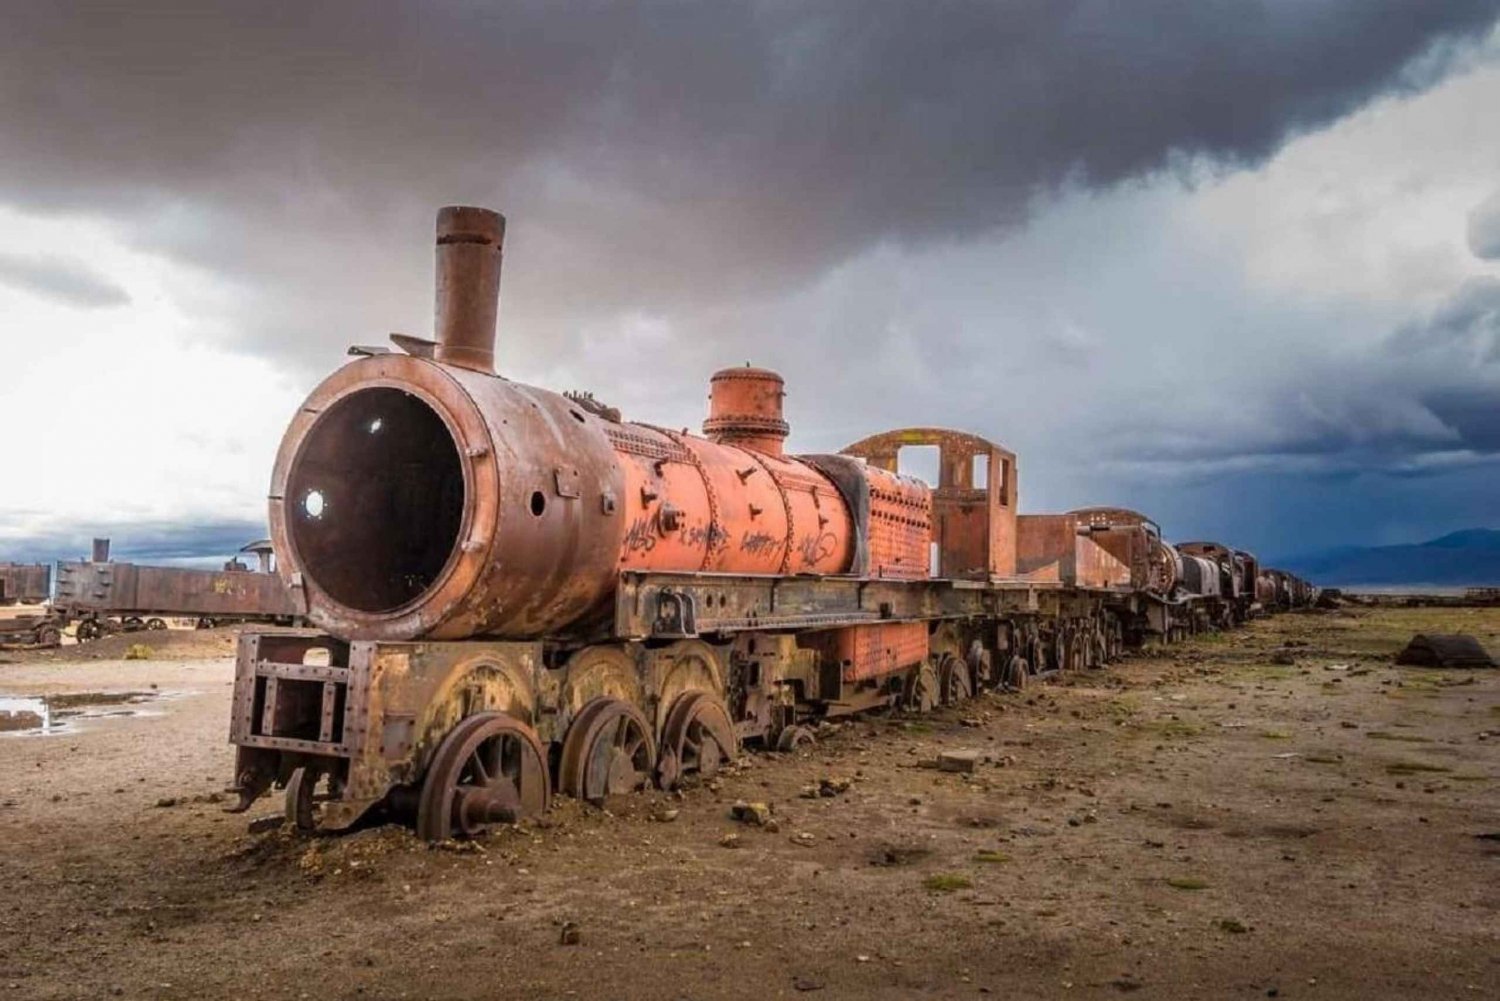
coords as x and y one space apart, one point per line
1275 812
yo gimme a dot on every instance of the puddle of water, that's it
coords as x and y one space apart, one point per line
47 714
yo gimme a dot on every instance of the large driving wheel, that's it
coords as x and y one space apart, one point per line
608 750
953 681
490 769
1016 673
923 690
88 629
697 738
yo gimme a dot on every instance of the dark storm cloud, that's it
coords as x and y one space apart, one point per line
139 541
70 282
653 157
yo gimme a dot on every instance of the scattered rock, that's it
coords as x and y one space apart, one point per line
166 801
958 761
830 787
270 822
570 934
754 814
807 984
803 839
729 841
665 815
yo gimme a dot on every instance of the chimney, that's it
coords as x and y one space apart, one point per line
468 286
744 409
101 551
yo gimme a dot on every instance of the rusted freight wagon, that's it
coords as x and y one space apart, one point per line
516 592
25 583
104 596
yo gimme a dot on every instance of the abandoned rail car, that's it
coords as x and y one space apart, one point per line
25 583
516 592
103 596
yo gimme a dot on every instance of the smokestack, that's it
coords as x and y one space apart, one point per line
469 243
101 551
744 409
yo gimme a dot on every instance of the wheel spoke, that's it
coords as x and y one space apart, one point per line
481 774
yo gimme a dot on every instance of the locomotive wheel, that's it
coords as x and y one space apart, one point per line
983 666
156 624
608 750
953 677
491 768
300 809
1098 649
204 623
131 623
697 738
923 690
48 636
794 737
88 630
1016 673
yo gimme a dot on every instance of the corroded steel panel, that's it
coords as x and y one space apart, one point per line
1050 548
872 651
900 531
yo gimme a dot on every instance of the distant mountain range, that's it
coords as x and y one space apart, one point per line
1467 557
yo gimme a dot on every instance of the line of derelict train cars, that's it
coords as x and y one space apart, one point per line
516 593
99 596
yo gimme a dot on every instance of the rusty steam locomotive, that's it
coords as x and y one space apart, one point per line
517 593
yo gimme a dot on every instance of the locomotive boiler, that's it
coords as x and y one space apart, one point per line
516 592
422 496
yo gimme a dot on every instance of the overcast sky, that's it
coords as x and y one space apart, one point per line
1234 263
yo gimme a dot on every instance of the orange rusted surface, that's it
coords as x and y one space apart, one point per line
874 650
693 504
974 517
900 526
744 409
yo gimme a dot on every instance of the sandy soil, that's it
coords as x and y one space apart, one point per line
1206 823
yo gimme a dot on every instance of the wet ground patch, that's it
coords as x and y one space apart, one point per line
47 714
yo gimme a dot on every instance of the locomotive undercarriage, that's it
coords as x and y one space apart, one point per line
459 734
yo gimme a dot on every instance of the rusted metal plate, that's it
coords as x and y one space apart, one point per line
872 651
1050 547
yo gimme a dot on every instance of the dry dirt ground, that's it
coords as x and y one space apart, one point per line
1203 822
